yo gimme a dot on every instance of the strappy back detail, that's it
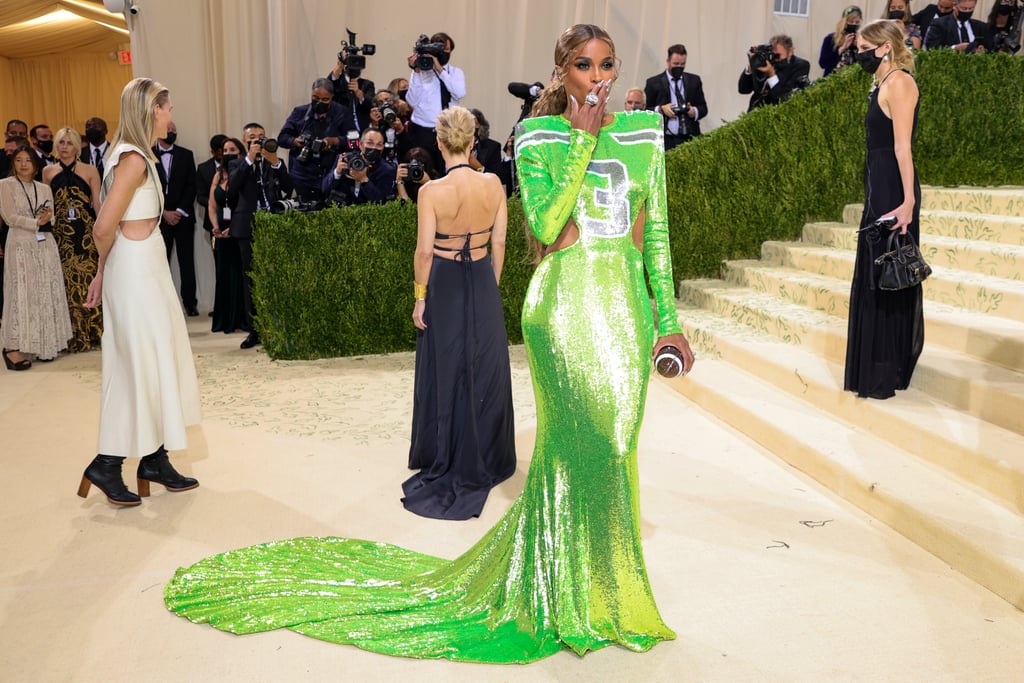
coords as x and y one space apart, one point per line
461 253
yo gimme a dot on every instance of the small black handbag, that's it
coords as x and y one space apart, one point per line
902 265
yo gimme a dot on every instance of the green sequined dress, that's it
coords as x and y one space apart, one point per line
563 569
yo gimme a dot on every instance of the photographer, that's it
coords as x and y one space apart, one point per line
434 85
416 171
350 90
529 93
959 30
1004 23
679 98
485 156
361 176
773 72
384 117
314 132
259 179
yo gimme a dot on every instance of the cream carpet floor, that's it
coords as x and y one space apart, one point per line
764 575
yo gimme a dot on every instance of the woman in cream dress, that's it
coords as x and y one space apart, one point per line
150 393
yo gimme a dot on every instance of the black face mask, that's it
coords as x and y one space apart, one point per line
897 14
46 146
1005 10
677 71
170 137
320 107
226 159
940 13
94 135
402 94
964 16
443 58
372 156
869 61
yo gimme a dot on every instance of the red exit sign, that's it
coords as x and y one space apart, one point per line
124 57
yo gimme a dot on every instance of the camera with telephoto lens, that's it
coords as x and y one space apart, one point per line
283 205
356 162
762 56
268 144
352 55
311 148
425 50
388 113
416 171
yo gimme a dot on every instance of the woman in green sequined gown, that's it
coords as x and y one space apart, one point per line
563 569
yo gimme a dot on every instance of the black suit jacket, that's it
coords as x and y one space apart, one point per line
488 153
204 181
790 76
343 96
180 188
244 179
945 32
657 91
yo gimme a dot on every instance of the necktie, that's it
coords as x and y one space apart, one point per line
964 38
446 97
682 103
98 161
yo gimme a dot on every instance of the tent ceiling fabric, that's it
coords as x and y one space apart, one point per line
79 27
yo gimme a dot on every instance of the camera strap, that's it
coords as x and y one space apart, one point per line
446 96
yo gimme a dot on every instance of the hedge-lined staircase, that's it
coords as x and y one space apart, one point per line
942 463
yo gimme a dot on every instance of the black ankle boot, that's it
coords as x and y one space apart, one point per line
157 467
105 472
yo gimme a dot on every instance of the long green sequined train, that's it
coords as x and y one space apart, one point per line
563 569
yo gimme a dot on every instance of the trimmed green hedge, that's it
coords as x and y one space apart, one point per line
339 282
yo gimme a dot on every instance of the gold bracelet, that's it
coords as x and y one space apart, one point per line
419 291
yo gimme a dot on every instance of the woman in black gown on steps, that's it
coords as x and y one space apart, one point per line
886 329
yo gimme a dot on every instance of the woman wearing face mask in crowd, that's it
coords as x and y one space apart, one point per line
899 11
229 299
886 328
838 48
1004 21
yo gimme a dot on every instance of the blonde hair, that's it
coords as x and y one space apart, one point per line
880 31
455 128
837 37
138 120
553 99
72 134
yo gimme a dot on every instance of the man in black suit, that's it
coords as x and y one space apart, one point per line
678 96
204 177
176 167
41 139
96 134
260 179
959 30
314 134
778 77
486 153
930 13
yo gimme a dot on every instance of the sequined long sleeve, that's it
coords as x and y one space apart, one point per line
548 199
657 255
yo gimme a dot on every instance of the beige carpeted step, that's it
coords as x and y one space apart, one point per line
989 258
973 291
978 537
984 454
969 226
984 390
1003 201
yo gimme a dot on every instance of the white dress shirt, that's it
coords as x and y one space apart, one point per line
425 93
